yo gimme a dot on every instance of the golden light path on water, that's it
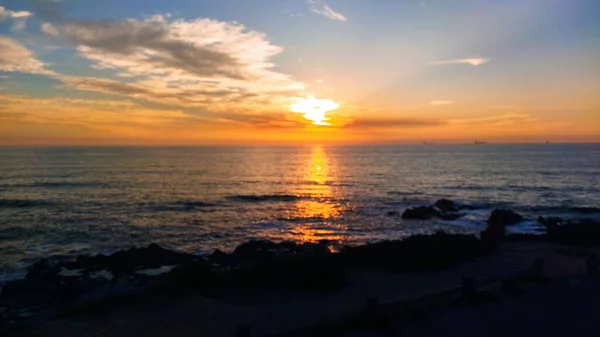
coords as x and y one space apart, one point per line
314 109
319 173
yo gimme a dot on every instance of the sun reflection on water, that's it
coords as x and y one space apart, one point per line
317 215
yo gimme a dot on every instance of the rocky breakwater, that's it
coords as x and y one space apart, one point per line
52 287
583 232
570 232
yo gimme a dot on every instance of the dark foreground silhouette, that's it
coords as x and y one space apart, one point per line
54 288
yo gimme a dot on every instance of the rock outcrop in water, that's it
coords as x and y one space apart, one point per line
495 232
585 232
421 213
446 205
505 217
581 233
443 209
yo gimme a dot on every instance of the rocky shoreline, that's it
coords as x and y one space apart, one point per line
53 287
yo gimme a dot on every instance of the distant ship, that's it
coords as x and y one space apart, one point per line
479 143
428 143
547 142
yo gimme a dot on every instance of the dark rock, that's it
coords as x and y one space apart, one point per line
314 249
526 237
392 213
42 270
581 233
586 210
220 257
495 231
421 252
196 274
262 250
446 205
255 249
307 272
550 221
420 213
428 212
505 217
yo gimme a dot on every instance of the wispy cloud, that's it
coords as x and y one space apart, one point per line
8 14
321 7
393 123
15 57
477 61
498 120
19 17
440 102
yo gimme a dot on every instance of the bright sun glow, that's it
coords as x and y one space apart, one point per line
314 109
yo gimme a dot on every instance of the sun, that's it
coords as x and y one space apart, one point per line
314 109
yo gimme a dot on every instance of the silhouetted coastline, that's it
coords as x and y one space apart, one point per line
54 287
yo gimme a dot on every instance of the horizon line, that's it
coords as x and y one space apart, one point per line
420 143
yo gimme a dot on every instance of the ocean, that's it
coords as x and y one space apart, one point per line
66 201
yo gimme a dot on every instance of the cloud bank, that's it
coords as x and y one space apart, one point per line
202 62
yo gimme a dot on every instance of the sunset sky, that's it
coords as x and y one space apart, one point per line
237 71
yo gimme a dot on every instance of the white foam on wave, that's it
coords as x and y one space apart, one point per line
102 274
525 227
10 274
464 223
154 271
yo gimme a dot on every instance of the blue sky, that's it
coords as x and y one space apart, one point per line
521 70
